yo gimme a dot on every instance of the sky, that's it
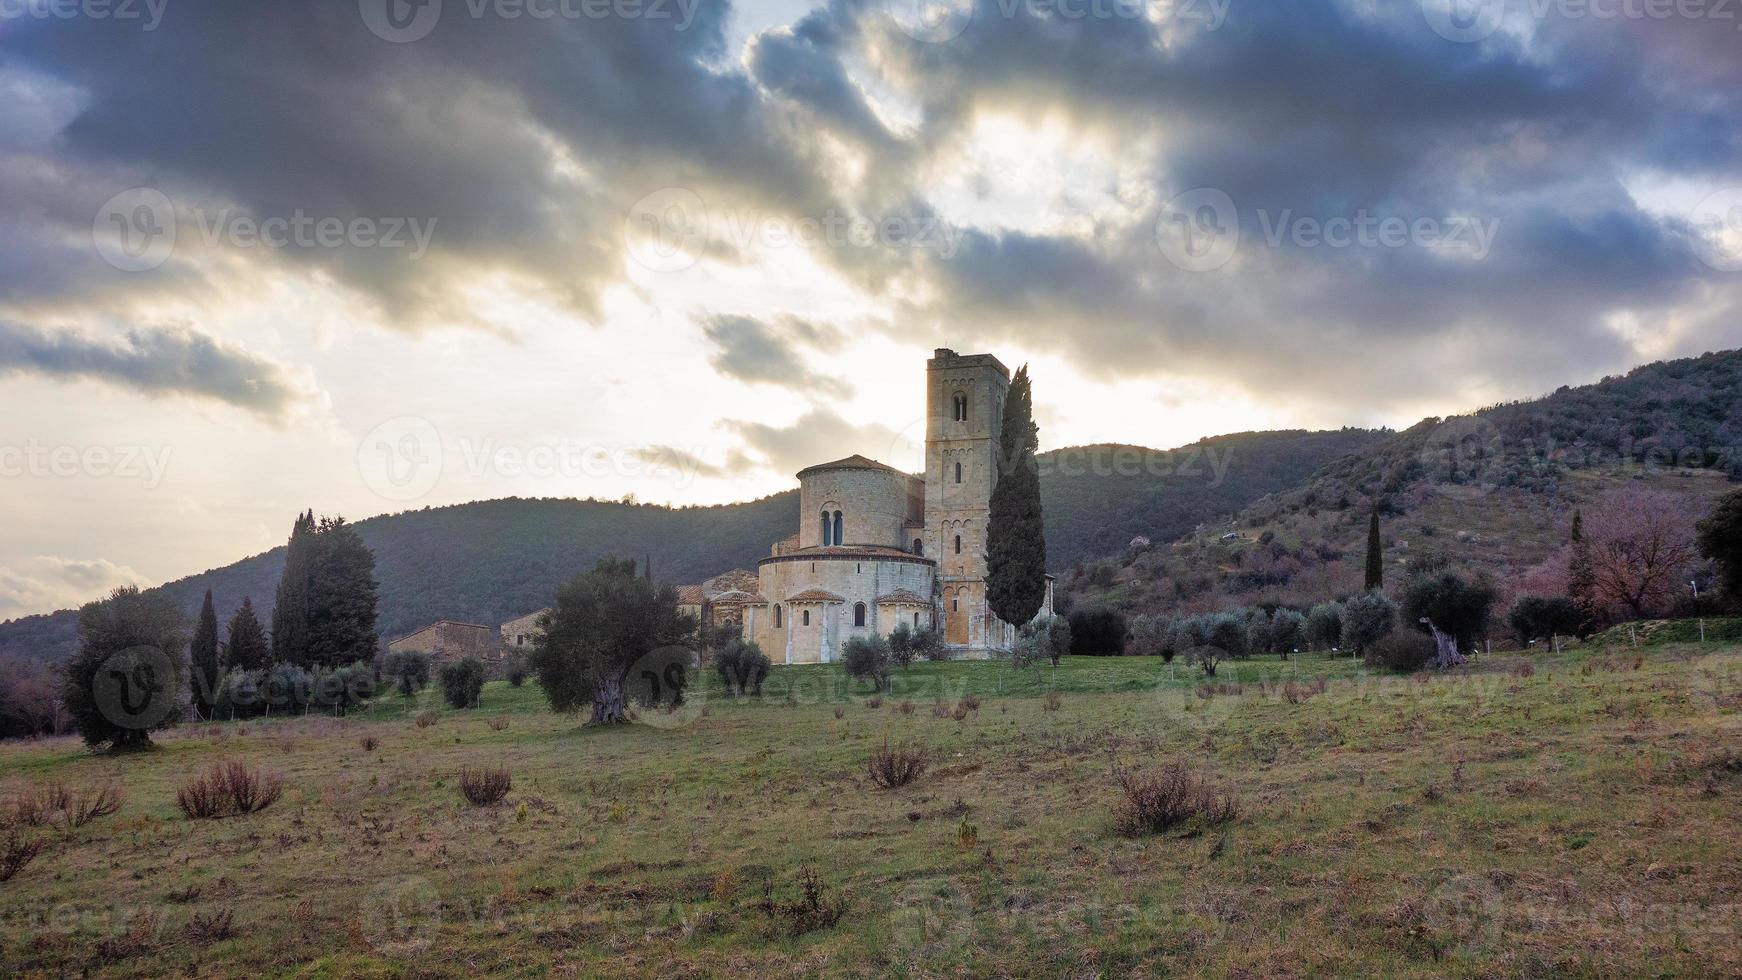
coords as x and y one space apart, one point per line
370 256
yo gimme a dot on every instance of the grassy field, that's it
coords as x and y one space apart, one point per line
1576 814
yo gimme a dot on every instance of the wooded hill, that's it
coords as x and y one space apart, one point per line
488 561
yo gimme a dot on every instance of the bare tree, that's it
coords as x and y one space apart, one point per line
1641 544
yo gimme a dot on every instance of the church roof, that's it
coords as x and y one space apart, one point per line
907 596
738 598
853 462
690 595
848 551
814 595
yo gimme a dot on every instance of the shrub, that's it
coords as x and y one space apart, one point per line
214 927
368 743
867 658
83 806
1324 626
482 787
1287 632
1539 618
341 688
426 719
140 636
1367 618
1152 636
905 707
1052 701
1097 633
901 649
517 671
498 723
1404 651
815 908
929 644
742 666
1155 802
16 852
970 702
896 765
874 702
407 671
1258 635
228 789
462 681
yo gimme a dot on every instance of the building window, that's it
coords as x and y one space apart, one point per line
958 544
960 407
955 605
838 537
826 527
777 617
806 617
858 614
916 620
918 546
958 472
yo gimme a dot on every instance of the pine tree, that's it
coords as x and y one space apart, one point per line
247 648
1581 575
1375 554
290 612
341 596
207 666
1015 532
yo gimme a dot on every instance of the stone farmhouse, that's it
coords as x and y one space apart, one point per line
445 640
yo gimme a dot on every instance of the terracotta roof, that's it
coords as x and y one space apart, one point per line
690 595
736 598
814 595
904 595
853 462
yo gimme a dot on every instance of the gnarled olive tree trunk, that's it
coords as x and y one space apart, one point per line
608 703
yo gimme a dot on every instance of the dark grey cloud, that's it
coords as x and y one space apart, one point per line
784 351
159 361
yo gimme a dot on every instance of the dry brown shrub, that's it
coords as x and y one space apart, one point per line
203 930
368 742
940 709
874 702
893 765
499 723
426 719
228 789
1157 801
969 701
17 851
140 936
905 707
86 805
1052 701
815 908
482 787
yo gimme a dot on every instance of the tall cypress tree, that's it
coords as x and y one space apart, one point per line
341 597
1581 578
1015 532
203 658
247 648
290 611
1375 554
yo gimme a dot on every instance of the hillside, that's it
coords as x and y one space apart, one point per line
1492 491
489 561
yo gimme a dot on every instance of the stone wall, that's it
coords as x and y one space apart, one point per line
875 505
855 579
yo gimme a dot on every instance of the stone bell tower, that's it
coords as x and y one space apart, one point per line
964 412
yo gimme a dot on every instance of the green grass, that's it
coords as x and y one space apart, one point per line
1581 821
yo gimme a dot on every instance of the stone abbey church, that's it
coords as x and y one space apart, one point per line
877 547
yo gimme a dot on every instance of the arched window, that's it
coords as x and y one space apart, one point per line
958 544
959 407
858 614
918 546
777 617
807 617
958 472
838 538
826 527
916 620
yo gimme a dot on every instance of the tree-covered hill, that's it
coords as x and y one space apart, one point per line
489 561
1492 492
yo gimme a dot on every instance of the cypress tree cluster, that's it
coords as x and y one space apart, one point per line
325 613
1375 554
205 659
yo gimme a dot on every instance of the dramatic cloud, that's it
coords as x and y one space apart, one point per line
818 436
775 352
158 362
